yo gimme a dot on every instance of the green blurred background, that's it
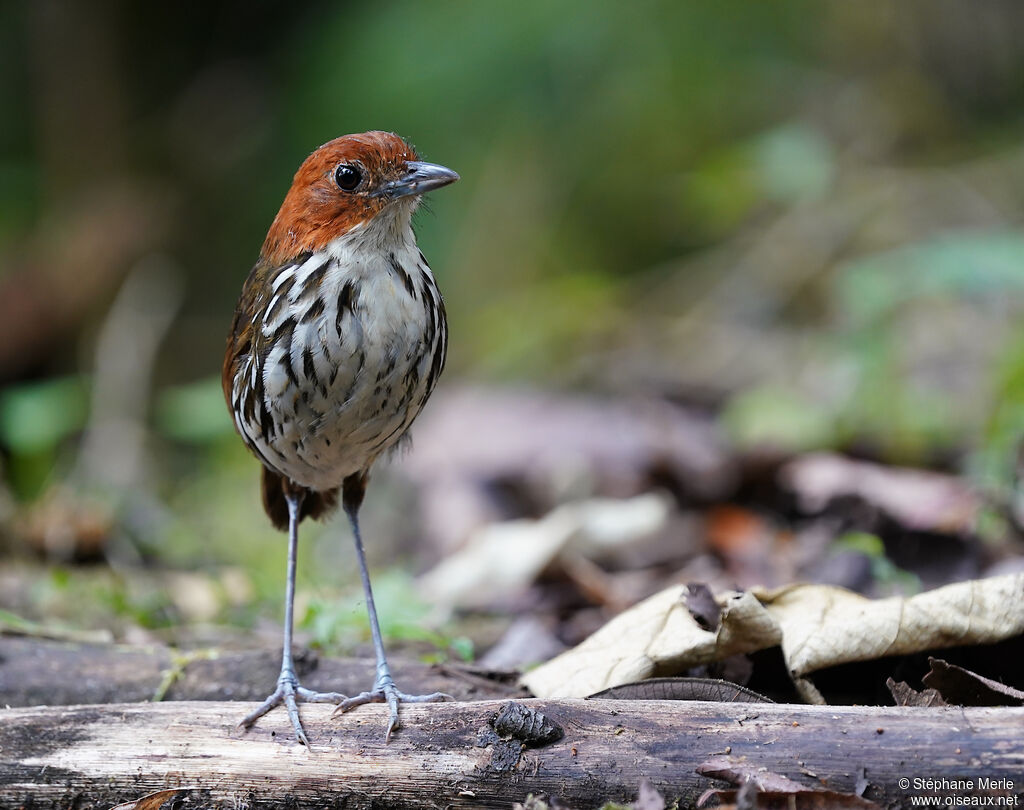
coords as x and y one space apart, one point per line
802 216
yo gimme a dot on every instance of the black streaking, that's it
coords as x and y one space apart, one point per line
308 366
436 364
279 303
316 278
440 350
290 371
390 360
287 325
249 407
311 285
314 310
412 379
406 278
387 439
283 336
431 330
267 424
258 389
322 384
360 364
346 303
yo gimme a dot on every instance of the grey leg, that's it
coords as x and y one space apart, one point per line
288 691
384 689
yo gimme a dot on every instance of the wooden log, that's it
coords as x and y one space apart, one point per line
35 672
448 756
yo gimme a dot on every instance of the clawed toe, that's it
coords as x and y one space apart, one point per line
386 696
309 696
289 693
389 693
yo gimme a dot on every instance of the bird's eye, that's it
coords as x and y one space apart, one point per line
347 177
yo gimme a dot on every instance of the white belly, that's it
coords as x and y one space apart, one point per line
343 384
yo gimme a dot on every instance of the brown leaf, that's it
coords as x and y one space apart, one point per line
916 499
774 790
683 689
700 601
906 695
818 626
527 641
151 801
734 531
962 687
775 800
540 443
738 770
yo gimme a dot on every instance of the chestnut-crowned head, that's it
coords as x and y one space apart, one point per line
345 185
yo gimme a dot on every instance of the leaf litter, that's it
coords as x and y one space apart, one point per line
816 626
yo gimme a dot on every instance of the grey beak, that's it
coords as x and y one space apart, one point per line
419 178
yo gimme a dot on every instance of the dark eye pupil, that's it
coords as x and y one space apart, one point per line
347 177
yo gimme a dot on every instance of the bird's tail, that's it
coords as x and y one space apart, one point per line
315 504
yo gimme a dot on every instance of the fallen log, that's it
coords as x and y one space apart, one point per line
453 755
35 672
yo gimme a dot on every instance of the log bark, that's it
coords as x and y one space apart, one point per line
448 756
35 672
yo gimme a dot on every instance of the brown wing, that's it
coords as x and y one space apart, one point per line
240 338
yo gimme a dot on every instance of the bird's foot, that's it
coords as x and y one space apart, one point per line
385 691
290 693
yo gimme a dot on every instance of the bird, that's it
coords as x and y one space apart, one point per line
337 341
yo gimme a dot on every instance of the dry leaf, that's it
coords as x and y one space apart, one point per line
659 633
817 626
683 689
527 641
700 601
962 687
151 801
777 800
906 695
737 771
823 626
773 789
916 499
501 559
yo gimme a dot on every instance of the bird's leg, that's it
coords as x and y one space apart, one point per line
288 691
383 689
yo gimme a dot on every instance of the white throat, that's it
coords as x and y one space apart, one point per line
390 230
